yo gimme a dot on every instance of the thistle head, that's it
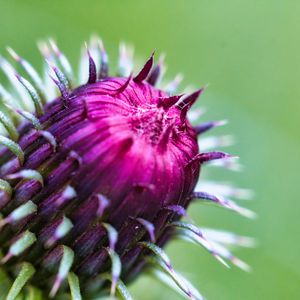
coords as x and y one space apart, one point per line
95 181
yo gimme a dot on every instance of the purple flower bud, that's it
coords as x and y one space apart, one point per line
95 182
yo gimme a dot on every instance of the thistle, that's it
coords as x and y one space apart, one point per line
97 175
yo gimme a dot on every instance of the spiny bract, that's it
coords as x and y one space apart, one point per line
95 181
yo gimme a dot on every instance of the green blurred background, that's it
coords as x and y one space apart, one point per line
249 53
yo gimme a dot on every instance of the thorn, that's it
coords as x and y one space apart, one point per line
124 86
62 82
172 86
24 242
25 274
20 213
55 288
6 258
14 55
61 231
64 268
63 61
125 60
112 235
33 94
29 117
54 47
225 203
49 137
4 222
13 147
104 61
190 99
92 67
209 156
213 142
178 209
199 129
149 227
63 91
103 202
142 75
44 49
116 268
240 264
156 72
73 154
167 102
31 72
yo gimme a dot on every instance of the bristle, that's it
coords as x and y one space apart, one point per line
103 73
171 88
124 86
193 232
26 272
9 126
142 75
112 235
45 50
232 163
164 262
10 72
225 253
19 213
27 174
31 72
189 100
164 277
225 203
63 91
155 74
103 202
13 147
116 268
29 117
64 268
25 241
212 142
225 189
209 156
33 94
168 102
149 227
228 238
6 188
178 209
92 67
74 286
61 230
200 129
120 286
49 137
125 60
62 82
64 62
6 97
195 114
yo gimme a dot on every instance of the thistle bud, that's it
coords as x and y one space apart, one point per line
95 182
